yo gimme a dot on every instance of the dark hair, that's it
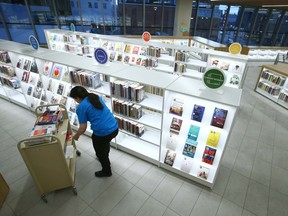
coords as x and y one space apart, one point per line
93 25
81 92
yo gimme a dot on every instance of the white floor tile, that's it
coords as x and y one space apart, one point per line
152 207
228 208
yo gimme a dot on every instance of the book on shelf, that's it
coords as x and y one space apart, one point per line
189 148
27 65
170 157
54 99
209 155
25 76
60 89
37 92
138 61
172 141
213 138
20 63
193 132
198 113
186 164
112 56
66 76
4 57
34 67
203 172
57 71
63 100
119 57
29 90
175 125
51 85
47 68
219 117
48 129
176 106
135 50
128 48
33 79
126 59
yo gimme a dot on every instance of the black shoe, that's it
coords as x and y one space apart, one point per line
102 174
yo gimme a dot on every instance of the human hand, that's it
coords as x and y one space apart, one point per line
76 137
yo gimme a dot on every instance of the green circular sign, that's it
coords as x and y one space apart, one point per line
214 78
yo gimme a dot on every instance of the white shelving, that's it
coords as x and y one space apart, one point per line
159 89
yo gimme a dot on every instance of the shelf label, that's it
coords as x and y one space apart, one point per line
101 55
214 78
235 48
34 42
146 36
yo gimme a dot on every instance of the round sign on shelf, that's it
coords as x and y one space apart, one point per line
214 78
146 36
235 48
34 42
101 56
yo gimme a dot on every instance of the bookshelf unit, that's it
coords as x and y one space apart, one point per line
191 93
159 88
134 52
48 162
273 83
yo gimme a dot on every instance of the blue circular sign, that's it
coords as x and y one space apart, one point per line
101 55
34 42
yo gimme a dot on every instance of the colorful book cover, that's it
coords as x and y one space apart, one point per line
112 56
203 172
25 76
170 157
135 50
209 155
29 90
176 106
128 48
57 72
175 126
189 149
198 112
213 138
20 63
193 132
47 68
219 117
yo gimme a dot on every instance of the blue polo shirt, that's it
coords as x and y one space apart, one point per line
102 121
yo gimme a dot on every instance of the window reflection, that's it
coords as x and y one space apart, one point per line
261 20
218 21
204 19
233 21
246 25
273 24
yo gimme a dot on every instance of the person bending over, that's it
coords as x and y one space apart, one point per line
103 124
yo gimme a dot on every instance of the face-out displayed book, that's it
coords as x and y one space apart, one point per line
186 164
197 113
172 141
57 71
25 76
203 172
213 138
20 63
209 155
4 57
219 117
170 157
175 125
176 106
190 148
47 68
193 132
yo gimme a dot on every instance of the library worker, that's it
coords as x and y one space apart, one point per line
92 108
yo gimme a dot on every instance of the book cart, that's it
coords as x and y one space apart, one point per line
46 161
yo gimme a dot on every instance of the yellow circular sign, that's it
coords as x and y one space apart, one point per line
235 48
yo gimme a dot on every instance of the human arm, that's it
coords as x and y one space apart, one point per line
80 131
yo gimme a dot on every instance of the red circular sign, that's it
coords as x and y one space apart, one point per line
146 36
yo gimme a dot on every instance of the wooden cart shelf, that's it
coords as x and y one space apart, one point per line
46 161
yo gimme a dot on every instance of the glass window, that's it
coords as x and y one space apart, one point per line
218 21
168 17
283 32
246 25
134 17
204 19
273 23
232 24
3 34
92 15
193 18
43 17
95 4
262 19
104 6
153 15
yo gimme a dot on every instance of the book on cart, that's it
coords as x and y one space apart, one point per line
49 117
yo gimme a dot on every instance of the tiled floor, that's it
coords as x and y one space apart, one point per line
253 176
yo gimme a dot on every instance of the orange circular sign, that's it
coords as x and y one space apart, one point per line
146 36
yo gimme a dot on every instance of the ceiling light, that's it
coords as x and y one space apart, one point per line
273 5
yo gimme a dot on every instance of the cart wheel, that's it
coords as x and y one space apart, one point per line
43 197
75 190
78 153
